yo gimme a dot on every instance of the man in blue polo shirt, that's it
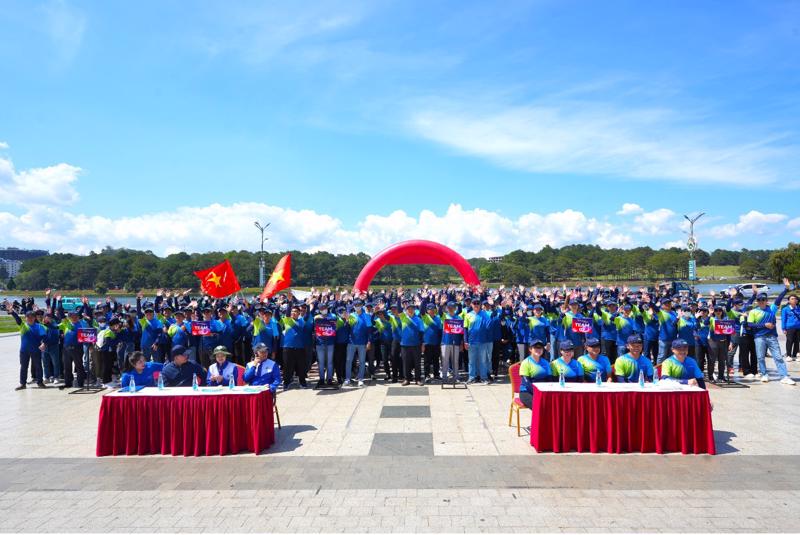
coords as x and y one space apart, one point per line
763 321
31 345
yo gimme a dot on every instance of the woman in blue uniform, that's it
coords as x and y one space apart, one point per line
566 364
222 371
141 372
533 369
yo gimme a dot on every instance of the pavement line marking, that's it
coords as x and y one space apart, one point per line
483 420
350 419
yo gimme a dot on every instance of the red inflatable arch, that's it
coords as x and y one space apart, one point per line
415 252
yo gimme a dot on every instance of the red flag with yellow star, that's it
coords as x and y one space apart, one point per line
218 281
281 277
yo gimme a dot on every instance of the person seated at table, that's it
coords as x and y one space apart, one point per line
141 371
262 370
534 369
221 371
628 365
181 370
681 367
593 362
565 364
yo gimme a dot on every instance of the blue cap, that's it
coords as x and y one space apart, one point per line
178 350
538 305
592 342
634 339
611 302
761 297
537 342
369 304
574 302
719 306
484 302
679 343
451 304
358 303
566 344
665 300
340 309
430 306
738 302
476 301
627 306
393 305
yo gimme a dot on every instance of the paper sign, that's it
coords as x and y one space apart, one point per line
581 325
724 327
201 328
325 328
454 326
87 336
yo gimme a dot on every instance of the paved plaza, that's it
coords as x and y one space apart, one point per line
391 458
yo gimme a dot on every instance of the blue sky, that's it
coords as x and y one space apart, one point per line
488 126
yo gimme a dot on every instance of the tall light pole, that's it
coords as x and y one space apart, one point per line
261 262
691 245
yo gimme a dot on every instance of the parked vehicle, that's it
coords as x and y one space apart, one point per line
747 289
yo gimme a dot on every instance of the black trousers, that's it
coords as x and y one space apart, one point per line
651 350
609 349
792 342
339 361
497 351
205 356
384 356
718 355
526 398
433 355
397 362
73 356
240 352
294 361
701 355
412 358
105 363
34 359
747 355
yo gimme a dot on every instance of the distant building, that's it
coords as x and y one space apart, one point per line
494 259
12 258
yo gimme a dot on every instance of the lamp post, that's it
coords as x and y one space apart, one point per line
691 245
261 261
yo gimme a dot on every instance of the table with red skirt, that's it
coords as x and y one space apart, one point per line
183 421
621 417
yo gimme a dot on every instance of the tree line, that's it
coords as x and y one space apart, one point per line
132 270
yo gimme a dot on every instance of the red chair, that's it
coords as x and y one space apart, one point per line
156 375
240 377
516 403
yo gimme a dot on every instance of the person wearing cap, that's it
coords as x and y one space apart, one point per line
180 334
431 340
522 331
262 370
567 332
360 330
607 315
630 363
240 324
396 359
265 330
534 368
790 323
539 326
593 362
222 371
51 356
140 370
627 323
649 330
452 341
342 339
477 341
226 334
742 340
681 367
293 344
383 342
211 340
107 342
411 332
325 325
152 329
31 345
566 364
181 371
667 328
72 354
763 320
700 337
718 344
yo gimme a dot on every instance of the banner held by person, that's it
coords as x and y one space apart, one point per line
581 325
219 281
281 277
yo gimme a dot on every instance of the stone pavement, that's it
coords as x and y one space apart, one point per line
390 458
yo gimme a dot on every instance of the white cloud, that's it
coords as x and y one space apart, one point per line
3 145
674 243
630 208
794 225
43 185
659 221
753 222
603 139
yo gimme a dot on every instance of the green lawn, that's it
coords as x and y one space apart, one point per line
718 271
8 325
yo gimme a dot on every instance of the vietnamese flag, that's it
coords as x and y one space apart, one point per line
218 281
281 277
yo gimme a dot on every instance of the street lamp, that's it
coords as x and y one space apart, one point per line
261 262
691 245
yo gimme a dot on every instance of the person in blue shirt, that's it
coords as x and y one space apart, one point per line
667 327
790 323
411 331
681 367
452 341
181 371
629 364
533 369
325 334
522 332
383 342
265 330
700 337
566 364
210 340
152 329
240 324
478 343
72 353
360 330
293 344
650 332
340 346
226 334
763 321
539 326
263 370
52 353
31 345
180 334
223 370
141 371
593 362
432 341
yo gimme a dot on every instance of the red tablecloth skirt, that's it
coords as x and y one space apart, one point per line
620 422
214 424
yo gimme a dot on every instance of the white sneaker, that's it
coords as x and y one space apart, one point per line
787 381
361 383
749 376
346 382
789 359
765 378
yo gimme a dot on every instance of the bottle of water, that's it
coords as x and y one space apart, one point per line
561 382
132 386
598 378
641 378
194 381
231 382
161 382
655 377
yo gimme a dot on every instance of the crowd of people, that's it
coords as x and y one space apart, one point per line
450 334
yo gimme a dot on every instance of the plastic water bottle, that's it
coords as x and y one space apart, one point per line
132 386
641 378
194 382
561 382
655 377
231 383
160 382
598 378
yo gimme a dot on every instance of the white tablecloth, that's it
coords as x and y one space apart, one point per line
153 391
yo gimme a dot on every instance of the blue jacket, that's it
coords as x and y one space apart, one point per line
433 330
151 331
293 332
266 334
70 331
411 330
360 328
141 379
30 335
453 339
267 372
478 326
790 317
229 369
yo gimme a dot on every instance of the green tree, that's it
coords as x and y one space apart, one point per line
749 267
11 285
